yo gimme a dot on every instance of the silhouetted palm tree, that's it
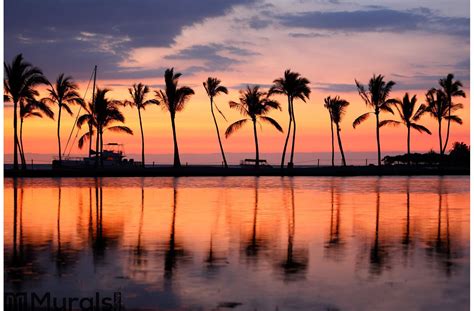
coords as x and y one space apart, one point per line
32 108
20 81
102 115
63 94
377 98
451 89
293 85
327 105
408 116
213 88
254 105
337 108
87 117
138 94
174 99
439 109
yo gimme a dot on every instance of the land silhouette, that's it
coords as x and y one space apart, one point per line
103 113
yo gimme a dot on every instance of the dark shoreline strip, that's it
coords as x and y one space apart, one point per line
207 171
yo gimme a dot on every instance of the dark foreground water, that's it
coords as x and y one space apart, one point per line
247 243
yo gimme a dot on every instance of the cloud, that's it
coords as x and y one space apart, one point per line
72 35
214 57
377 20
307 35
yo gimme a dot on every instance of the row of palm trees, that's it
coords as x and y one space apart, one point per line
254 104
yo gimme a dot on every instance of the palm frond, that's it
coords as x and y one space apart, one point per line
272 122
361 119
120 129
234 127
420 128
389 122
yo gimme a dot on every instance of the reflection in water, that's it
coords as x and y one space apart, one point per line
439 247
255 244
335 245
296 262
308 243
175 250
379 255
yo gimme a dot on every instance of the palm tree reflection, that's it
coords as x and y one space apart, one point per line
102 239
174 249
334 244
296 262
407 241
66 255
255 244
139 253
378 252
440 247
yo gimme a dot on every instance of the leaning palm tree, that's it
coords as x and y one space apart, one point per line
327 105
294 86
450 89
437 107
377 98
337 109
254 105
408 116
20 81
105 115
213 88
63 93
32 108
174 99
138 94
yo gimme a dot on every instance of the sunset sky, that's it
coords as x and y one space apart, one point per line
331 42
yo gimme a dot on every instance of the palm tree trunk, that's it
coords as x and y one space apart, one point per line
449 125
408 144
332 139
340 144
287 134
143 137
90 140
218 134
15 136
176 162
101 147
257 156
441 152
294 135
97 146
22 151
378 139
59 133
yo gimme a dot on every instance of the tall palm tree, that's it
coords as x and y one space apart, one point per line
408 116
174 99
103 114
32 108
327 105
138 94
254 105
63 93
20 81
337 109
377 98
89 119
450 89
439 109
213 88
294 86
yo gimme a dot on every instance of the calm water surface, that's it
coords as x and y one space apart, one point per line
303 243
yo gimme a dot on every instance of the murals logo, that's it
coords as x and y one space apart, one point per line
31 301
